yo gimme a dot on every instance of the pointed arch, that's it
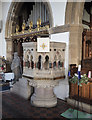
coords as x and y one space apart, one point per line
12 15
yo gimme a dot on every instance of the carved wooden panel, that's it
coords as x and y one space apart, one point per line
87 63
84 92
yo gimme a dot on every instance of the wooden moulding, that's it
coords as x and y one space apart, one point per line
85 91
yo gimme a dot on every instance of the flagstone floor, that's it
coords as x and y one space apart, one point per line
15 107
4 86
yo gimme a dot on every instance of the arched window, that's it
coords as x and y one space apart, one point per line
39 62
46 63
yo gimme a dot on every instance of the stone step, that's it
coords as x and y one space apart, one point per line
83 106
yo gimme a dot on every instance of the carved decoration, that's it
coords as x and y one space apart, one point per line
45 65
17 29
38 24
23 27
36 31
30 26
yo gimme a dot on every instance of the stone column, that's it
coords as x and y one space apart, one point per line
44 97
75 44
9 49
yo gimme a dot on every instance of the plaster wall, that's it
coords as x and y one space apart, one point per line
62 37
0 55
0 10
0 44
1 31
62 91
4 8
58 11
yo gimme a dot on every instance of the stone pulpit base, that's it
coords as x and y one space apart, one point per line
44 70
43 93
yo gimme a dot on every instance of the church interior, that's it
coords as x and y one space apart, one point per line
45 59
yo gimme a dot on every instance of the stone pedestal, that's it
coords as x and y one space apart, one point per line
43 93
44 97
44 70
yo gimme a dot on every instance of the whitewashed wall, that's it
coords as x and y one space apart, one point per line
4 8
1 32
62 91
58 11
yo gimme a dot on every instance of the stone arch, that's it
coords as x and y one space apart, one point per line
74 12
13 10
73 17
11 21
46 63
39 61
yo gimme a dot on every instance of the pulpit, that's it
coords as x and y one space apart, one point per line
43 70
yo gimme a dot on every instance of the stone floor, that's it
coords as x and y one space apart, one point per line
15 107
4 85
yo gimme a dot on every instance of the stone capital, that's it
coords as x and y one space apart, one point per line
76 28
8 39
59 29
